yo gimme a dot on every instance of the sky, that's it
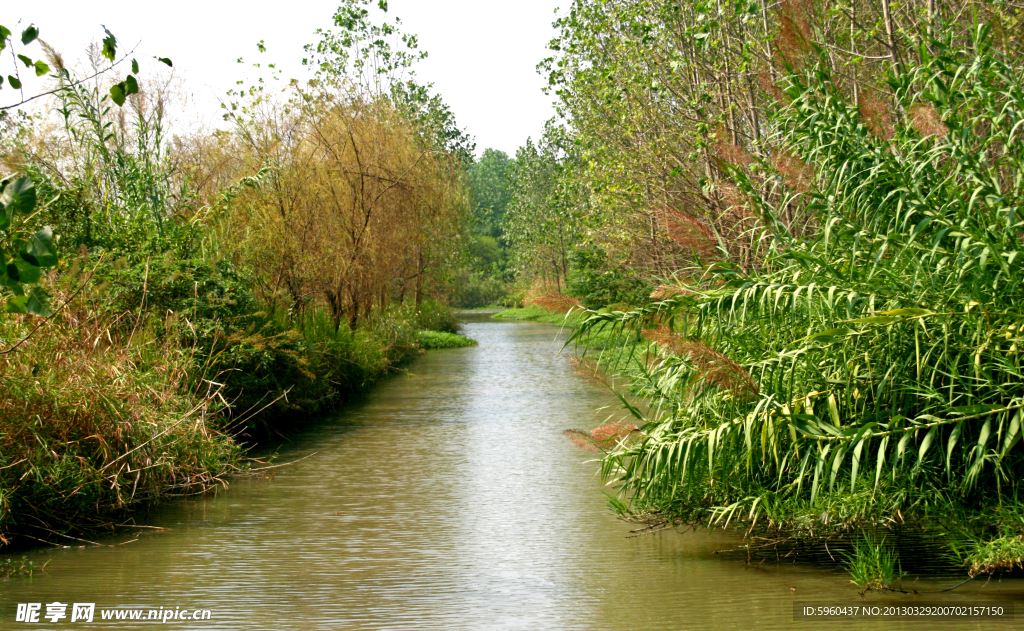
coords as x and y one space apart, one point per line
482 54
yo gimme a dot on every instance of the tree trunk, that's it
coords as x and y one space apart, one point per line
887 16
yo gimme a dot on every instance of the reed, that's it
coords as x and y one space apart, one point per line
878 347
96 420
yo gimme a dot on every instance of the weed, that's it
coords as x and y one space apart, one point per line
873 565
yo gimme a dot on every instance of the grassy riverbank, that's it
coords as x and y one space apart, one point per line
106 410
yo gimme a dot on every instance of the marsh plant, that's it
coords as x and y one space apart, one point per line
874 565
11 567
866 365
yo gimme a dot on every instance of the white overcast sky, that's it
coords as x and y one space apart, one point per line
482 54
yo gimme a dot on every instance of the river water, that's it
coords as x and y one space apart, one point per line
448 499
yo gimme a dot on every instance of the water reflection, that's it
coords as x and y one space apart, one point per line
447 500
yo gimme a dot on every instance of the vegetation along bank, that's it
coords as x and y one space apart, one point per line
171 299
794 233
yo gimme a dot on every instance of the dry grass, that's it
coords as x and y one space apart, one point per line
93 421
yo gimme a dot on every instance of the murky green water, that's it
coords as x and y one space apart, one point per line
447 500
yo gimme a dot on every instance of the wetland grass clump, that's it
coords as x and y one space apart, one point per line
867 368
874 565
550 308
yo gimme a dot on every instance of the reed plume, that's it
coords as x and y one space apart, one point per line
603 438
688 231
926 120
713 367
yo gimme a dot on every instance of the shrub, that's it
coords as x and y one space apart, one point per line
94 421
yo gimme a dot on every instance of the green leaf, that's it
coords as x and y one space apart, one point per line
28 273
25 60
829 336
40 249
29 35
117 93
951 443
19 196
907 313
109 45
4 34
873 320
41 68
135 67
1013 435
38 303
165 60
11 276
929 438
131 85
14 82
880 461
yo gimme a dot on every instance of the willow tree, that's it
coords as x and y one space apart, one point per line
364 199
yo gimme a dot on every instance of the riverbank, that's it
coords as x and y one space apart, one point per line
980 532
105 411
861 525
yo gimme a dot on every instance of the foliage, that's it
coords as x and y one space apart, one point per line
871 356
227 287
439 339
24 253
543 219
354 212
118 92
377 61
599 283
96 420
487 277
873 565
489 182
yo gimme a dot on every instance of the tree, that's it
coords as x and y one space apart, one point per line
489 181
544 218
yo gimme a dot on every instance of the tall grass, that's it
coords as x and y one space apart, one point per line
873 565
96 419
867 366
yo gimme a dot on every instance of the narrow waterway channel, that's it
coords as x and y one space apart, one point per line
448 499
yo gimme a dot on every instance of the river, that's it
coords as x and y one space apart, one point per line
447 499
